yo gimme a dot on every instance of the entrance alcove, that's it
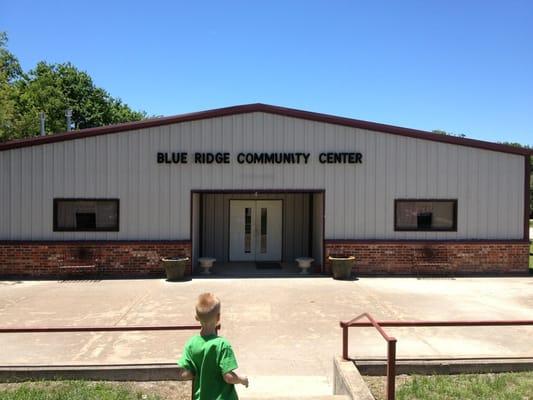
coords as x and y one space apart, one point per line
258 232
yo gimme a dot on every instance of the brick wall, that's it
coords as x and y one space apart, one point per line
433 258
88 259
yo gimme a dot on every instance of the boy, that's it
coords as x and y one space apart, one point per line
208 358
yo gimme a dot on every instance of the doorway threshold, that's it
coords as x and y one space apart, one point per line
252 270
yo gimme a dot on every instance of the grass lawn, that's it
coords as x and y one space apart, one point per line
85 390
508 386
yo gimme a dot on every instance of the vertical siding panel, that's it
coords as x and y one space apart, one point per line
451 167
422 176
352 185
37 172
111 182
89 176
16 193
370 187
390 157
473 185
5 194
26 194
360 204
411 172
187 181
69 189
443 160
174 186
90 167
340 181
482 195
120 157
164 184
130 204
381 186
206 146
153 197
516 206
47 190
462 192
433 170
59 184
225 228
226 144
100 173
144 184
492 197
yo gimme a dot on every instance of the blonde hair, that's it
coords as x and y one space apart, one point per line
207 307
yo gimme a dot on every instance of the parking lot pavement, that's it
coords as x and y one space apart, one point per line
278 327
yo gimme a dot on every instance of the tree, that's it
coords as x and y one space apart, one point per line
10 71
441 132
53 88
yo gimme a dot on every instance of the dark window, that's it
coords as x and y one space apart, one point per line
85 215
425 215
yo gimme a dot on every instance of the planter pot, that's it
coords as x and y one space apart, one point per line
175 267
304 263
341 266
206 263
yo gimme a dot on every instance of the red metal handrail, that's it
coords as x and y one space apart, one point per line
51 329
391 349
391 341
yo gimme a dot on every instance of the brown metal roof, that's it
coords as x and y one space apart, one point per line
259 107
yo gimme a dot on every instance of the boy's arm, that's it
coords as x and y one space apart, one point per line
184 374
233 379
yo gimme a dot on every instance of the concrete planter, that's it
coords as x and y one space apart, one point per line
206 263
175 267
304 263
341 266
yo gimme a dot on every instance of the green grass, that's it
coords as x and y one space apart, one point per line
73 390
509 386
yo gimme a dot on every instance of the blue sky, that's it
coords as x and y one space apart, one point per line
460 66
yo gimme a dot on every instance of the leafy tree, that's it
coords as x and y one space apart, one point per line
441 132
10 71
53 88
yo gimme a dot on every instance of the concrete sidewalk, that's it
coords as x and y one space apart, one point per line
281 329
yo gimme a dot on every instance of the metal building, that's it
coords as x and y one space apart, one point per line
260 183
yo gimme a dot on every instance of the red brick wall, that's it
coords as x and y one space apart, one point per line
433 258
87 259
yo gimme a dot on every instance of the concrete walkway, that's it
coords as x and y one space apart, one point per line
281 329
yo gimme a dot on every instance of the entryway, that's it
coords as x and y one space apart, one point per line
257 232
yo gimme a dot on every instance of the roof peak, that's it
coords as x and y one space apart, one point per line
267 108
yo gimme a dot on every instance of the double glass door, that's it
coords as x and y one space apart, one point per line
255 230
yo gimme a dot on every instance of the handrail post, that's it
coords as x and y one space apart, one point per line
391 369
345 342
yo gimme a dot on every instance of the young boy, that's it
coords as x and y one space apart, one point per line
208 358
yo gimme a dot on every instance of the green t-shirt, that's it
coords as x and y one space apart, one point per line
209 358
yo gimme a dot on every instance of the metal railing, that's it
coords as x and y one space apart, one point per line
130 328
391 341
56 329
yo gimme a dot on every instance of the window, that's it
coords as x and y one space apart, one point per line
86 215
425 215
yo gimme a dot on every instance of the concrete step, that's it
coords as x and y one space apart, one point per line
287 388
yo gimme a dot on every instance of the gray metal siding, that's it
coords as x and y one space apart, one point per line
155 198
